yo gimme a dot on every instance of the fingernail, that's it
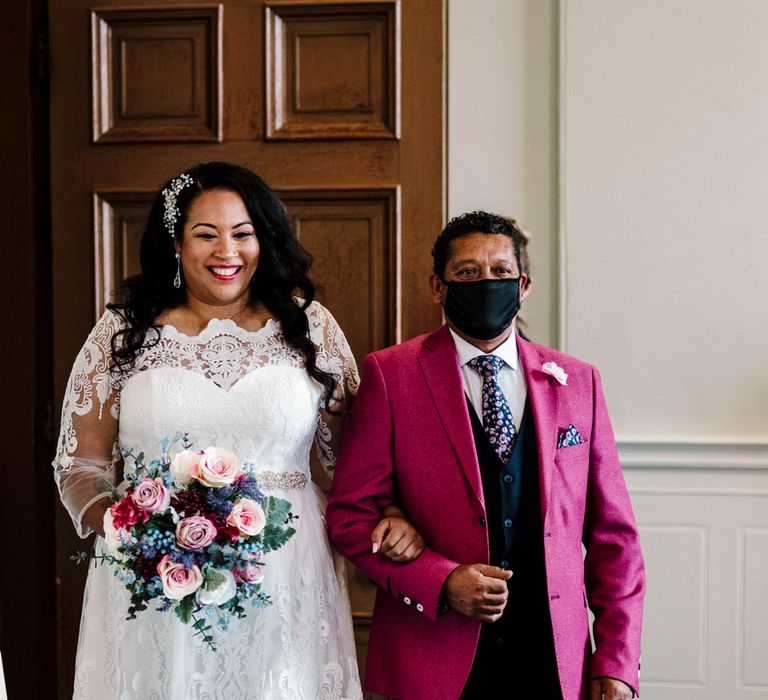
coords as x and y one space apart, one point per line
375 547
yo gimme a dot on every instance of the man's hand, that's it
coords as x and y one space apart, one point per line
397 539
478 591
609 689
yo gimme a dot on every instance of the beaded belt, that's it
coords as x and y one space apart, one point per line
281 480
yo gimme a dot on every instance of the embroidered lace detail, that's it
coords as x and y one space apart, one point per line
272 480
223 353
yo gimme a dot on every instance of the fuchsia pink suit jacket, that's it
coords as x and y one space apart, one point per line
409 441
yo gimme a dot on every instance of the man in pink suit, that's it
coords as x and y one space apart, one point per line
502 455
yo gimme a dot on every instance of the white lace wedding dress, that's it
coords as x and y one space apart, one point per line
249 392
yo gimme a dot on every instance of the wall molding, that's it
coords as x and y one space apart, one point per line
700 454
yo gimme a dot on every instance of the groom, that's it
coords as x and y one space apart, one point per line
502 455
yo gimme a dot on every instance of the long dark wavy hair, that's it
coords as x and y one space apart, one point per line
280 274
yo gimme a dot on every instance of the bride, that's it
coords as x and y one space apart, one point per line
210 340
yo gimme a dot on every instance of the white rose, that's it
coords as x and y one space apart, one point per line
222 593
113 535
184 466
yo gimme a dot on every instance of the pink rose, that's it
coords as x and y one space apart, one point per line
184 466
195 533
217 467
247 516
151 495
178 582
250 573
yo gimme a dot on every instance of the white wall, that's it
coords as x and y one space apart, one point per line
502 127
665 211
656 247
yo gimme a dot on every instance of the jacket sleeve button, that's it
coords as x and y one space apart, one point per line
482 520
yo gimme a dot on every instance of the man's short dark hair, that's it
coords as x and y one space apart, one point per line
474 222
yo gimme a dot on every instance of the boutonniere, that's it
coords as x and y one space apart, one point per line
553 370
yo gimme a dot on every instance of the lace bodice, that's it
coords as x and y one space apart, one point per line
245 390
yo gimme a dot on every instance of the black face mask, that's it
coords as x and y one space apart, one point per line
483 309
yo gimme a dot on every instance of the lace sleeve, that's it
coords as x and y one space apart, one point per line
335 356
87 449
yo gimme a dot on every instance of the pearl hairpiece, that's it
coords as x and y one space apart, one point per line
171 213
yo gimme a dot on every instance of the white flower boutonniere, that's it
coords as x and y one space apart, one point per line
557 372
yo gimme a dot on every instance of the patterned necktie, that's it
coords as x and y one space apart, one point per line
497 416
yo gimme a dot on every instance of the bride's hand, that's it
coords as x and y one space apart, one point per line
94 516
396 538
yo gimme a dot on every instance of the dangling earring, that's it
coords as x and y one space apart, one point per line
177 279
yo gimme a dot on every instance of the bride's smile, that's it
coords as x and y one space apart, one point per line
225 272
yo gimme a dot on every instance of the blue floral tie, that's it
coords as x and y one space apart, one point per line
497 416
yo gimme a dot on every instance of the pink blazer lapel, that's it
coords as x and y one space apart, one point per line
545 401
441 371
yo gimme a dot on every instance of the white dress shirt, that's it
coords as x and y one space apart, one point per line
511 375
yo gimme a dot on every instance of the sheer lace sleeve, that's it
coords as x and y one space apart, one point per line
87 450
335 356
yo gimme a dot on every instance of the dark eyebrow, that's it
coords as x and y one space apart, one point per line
242 223
465 261
473 261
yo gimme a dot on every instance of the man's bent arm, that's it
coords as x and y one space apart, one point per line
364 483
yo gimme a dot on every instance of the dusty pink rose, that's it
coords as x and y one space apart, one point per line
247 516
184 466
151 495
217 467
250 573
195 533
178 582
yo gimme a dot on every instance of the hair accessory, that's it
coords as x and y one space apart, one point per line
171 213
177 279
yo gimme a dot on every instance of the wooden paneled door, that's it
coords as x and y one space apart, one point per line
338 105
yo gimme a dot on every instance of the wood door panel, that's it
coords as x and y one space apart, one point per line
156 74
119 219
354 238
333 70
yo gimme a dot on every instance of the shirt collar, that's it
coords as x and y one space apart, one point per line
507 351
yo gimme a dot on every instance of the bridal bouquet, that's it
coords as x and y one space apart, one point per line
192 529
